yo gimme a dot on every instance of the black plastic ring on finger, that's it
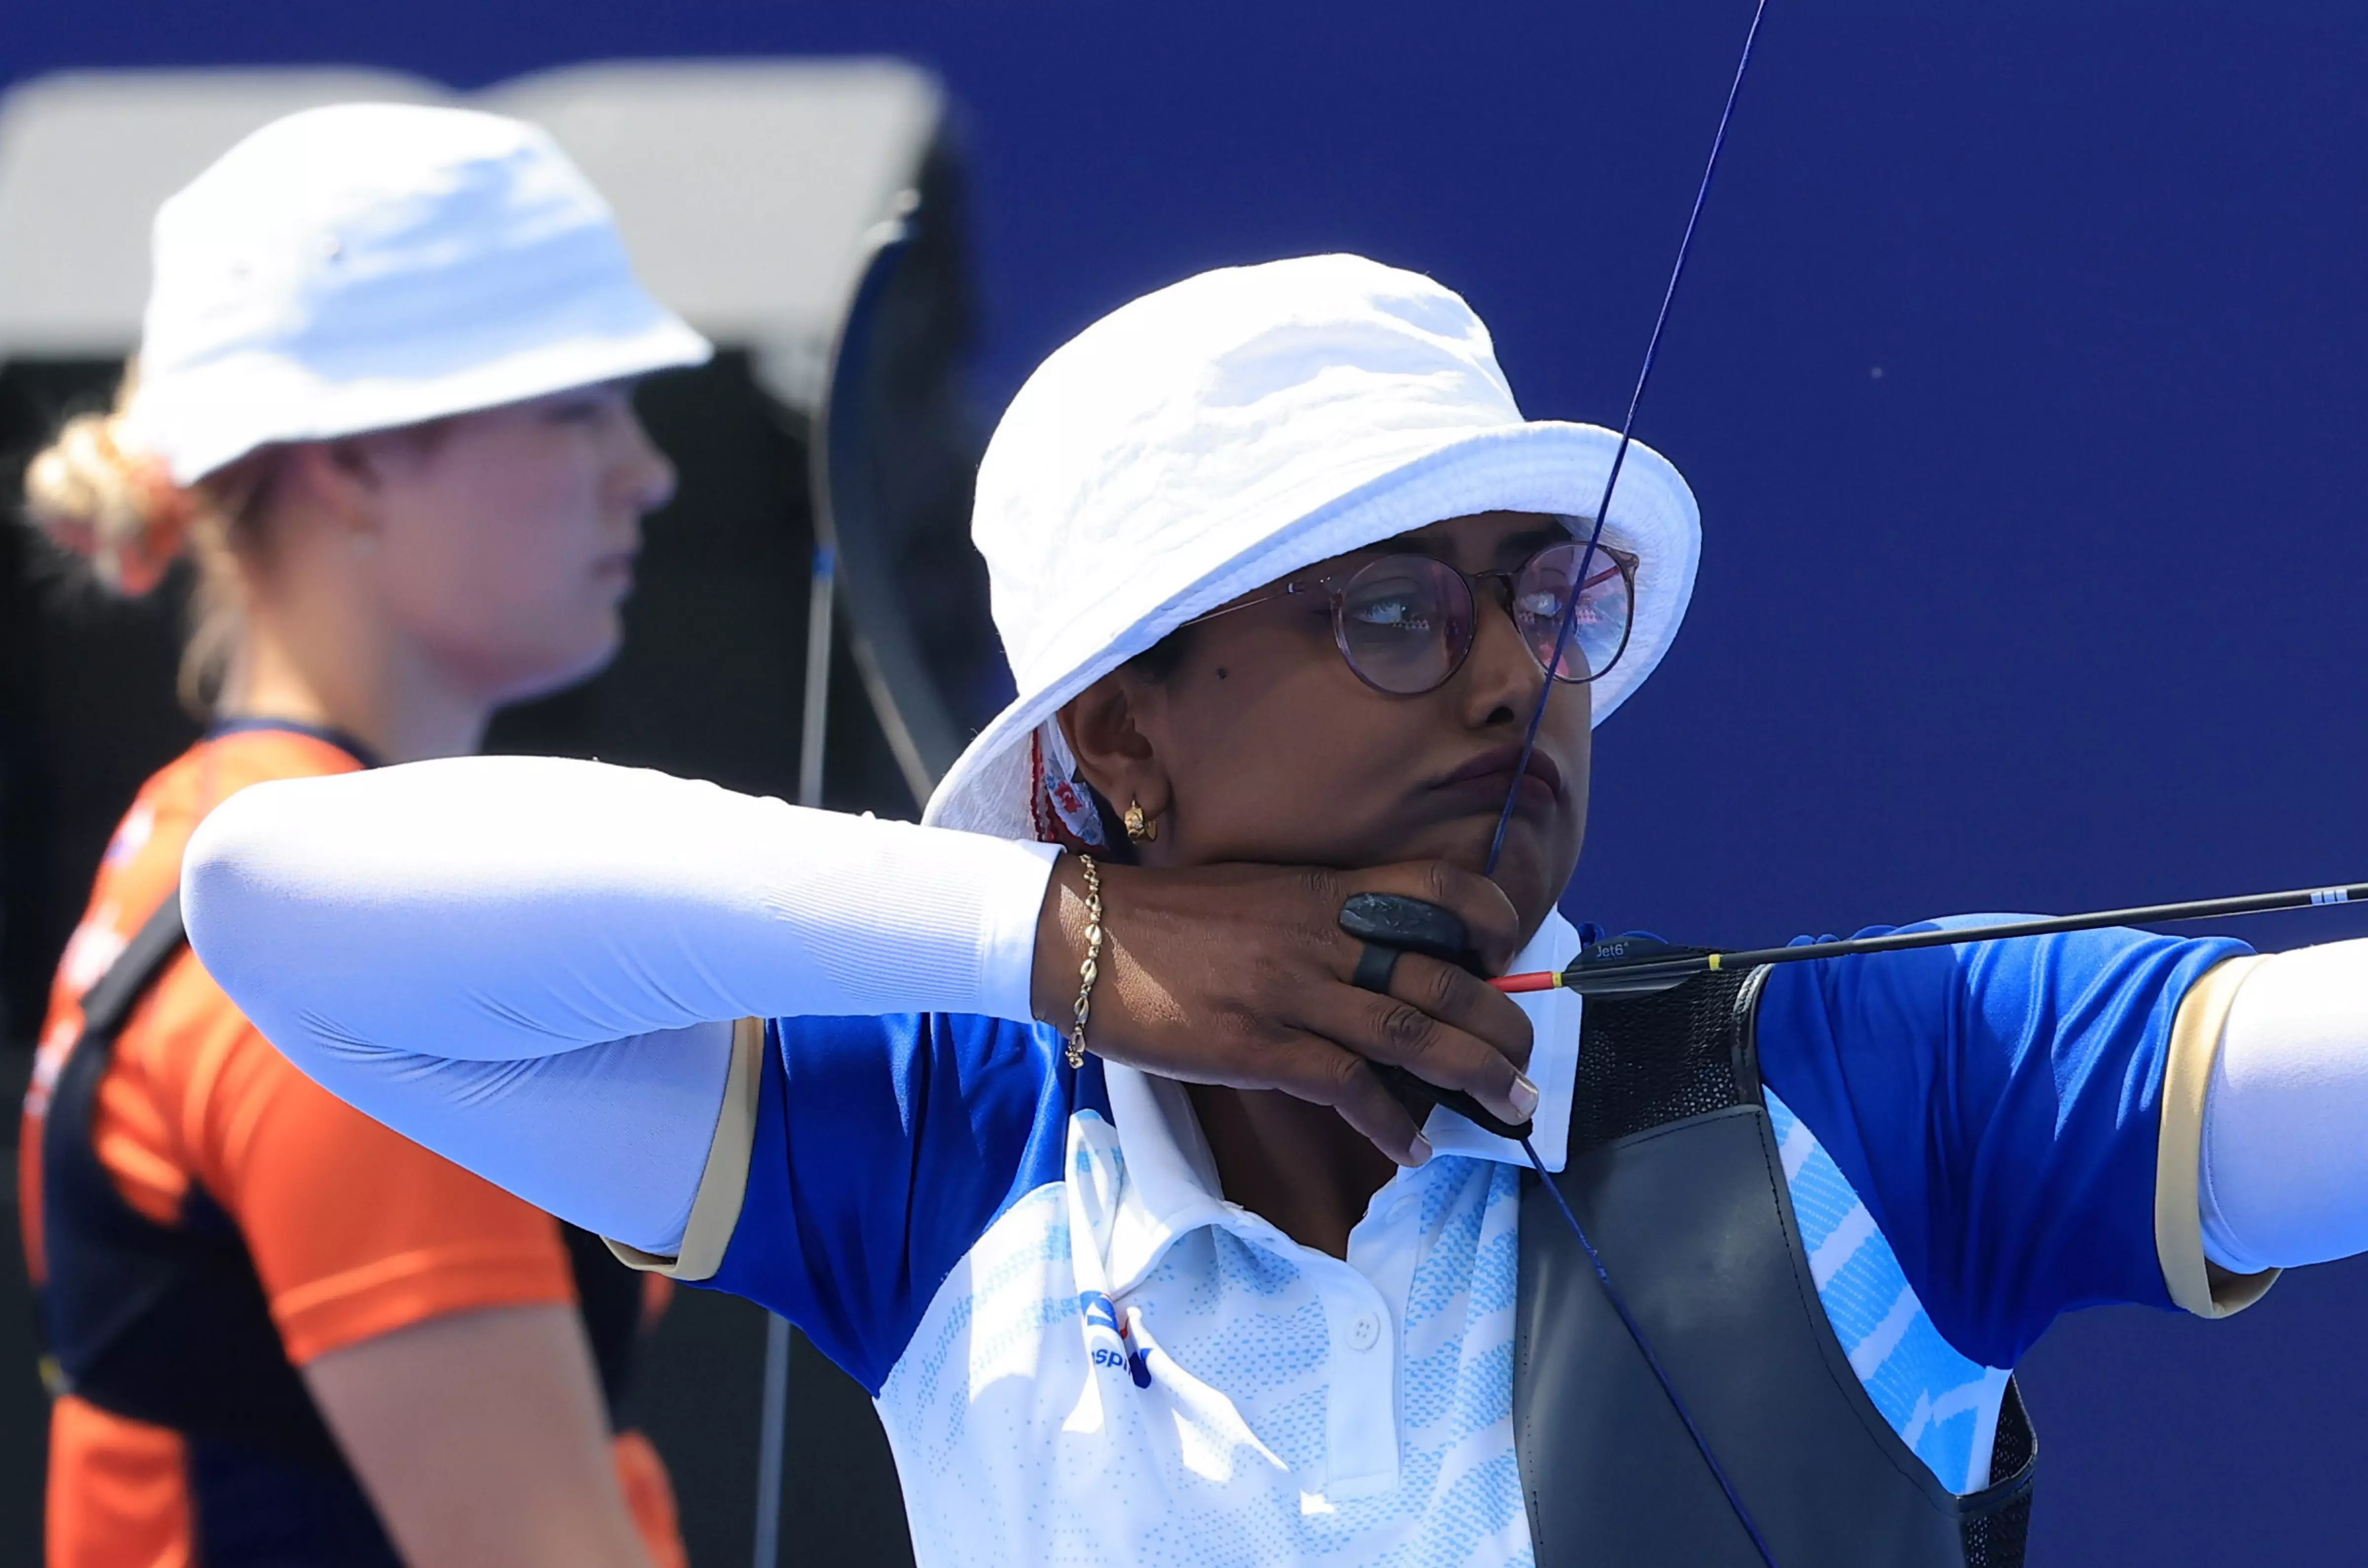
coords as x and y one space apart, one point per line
1374 967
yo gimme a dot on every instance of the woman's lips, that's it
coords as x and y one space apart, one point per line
1488 777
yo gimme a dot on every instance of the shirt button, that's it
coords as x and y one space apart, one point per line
1364 1331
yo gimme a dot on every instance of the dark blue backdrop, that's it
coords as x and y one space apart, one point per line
2021 376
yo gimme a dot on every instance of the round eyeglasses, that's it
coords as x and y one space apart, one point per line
1406 623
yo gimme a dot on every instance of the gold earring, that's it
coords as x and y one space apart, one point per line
1139 828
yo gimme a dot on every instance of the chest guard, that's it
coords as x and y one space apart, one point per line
1673 1169
169 1325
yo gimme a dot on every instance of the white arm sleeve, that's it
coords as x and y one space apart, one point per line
2285 1168
532 965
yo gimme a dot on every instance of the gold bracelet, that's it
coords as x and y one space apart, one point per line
1090 970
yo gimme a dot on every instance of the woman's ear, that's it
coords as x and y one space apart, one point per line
1107 727
335 477
327 491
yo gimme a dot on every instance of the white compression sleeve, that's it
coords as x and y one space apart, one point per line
530 965
2285 1173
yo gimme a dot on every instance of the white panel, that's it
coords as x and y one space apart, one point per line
86 159
744 188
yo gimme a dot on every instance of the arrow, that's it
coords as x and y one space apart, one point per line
1638 966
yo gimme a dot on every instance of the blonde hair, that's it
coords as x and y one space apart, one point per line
120 510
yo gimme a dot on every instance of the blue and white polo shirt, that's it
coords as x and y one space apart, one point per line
1083 1354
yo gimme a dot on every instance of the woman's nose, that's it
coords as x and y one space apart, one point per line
645 475
1502 672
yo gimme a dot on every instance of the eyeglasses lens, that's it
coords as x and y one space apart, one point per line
1404 624
1599 628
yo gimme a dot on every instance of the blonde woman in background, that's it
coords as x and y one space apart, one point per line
382 397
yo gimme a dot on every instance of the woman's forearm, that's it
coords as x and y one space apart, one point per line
2284 1178
499 908
481 1439
526 964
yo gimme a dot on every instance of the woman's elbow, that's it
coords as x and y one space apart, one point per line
233 894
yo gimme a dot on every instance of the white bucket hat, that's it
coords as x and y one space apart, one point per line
366 265
1240 425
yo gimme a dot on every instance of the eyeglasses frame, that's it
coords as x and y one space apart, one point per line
1622 562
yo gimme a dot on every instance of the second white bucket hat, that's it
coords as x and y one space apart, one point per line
361 267
1242 425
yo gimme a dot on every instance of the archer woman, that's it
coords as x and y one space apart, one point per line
1073 1135
382 398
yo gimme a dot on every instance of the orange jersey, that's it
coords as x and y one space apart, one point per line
354 1231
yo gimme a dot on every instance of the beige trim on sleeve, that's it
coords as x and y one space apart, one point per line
715 1207
2196 1283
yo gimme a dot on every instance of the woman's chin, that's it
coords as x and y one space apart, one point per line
1533 872
565 666
1538 862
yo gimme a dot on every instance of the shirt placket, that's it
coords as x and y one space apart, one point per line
1365 1301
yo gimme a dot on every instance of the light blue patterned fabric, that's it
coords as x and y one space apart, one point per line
1296 1407
1943 1405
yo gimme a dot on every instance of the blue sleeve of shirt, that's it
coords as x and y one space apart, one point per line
883 1150
1996 1106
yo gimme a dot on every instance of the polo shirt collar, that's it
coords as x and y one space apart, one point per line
1172 1184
